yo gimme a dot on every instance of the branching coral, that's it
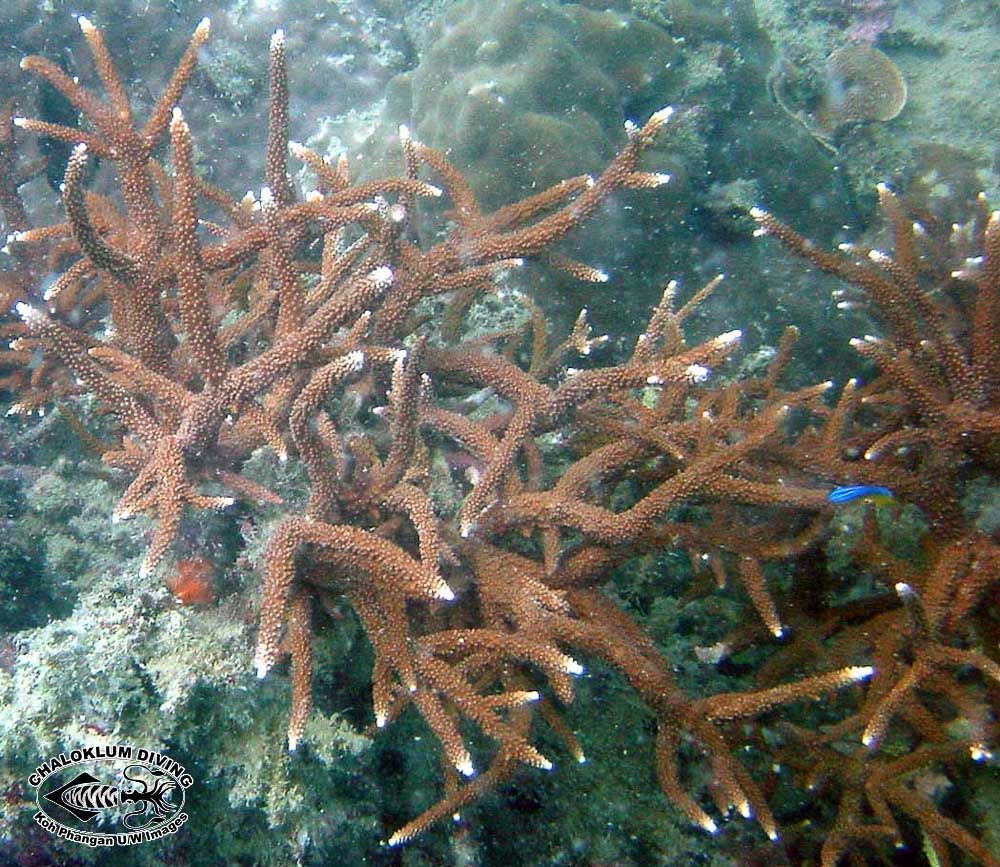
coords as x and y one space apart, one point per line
925 426
283 322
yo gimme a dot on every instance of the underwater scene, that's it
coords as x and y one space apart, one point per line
500 432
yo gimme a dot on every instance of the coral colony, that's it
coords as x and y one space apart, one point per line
293 323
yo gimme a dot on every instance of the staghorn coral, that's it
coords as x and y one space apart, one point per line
926 425
282 323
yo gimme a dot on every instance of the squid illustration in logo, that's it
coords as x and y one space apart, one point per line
85 797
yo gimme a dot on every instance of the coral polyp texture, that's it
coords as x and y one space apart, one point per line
214 329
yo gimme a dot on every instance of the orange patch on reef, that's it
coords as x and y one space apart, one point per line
192 583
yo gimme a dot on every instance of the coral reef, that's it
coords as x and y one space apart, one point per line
926 426
520 94
941 52
454 519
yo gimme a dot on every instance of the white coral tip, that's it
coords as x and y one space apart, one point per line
697 372
663 115
262 665
979 753
382 275
571 666
28 314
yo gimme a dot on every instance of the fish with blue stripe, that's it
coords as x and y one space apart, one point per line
847 493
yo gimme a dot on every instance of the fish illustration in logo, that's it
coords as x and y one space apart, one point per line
85 797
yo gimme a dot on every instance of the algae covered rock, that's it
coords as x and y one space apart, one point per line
526 93
521 94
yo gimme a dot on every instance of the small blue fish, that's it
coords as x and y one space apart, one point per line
846 493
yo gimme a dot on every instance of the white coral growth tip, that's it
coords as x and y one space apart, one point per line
31 316
979 752
571 666
697 372
381 276
464 765
663 115
708 823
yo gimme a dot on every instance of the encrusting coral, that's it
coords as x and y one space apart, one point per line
283 324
